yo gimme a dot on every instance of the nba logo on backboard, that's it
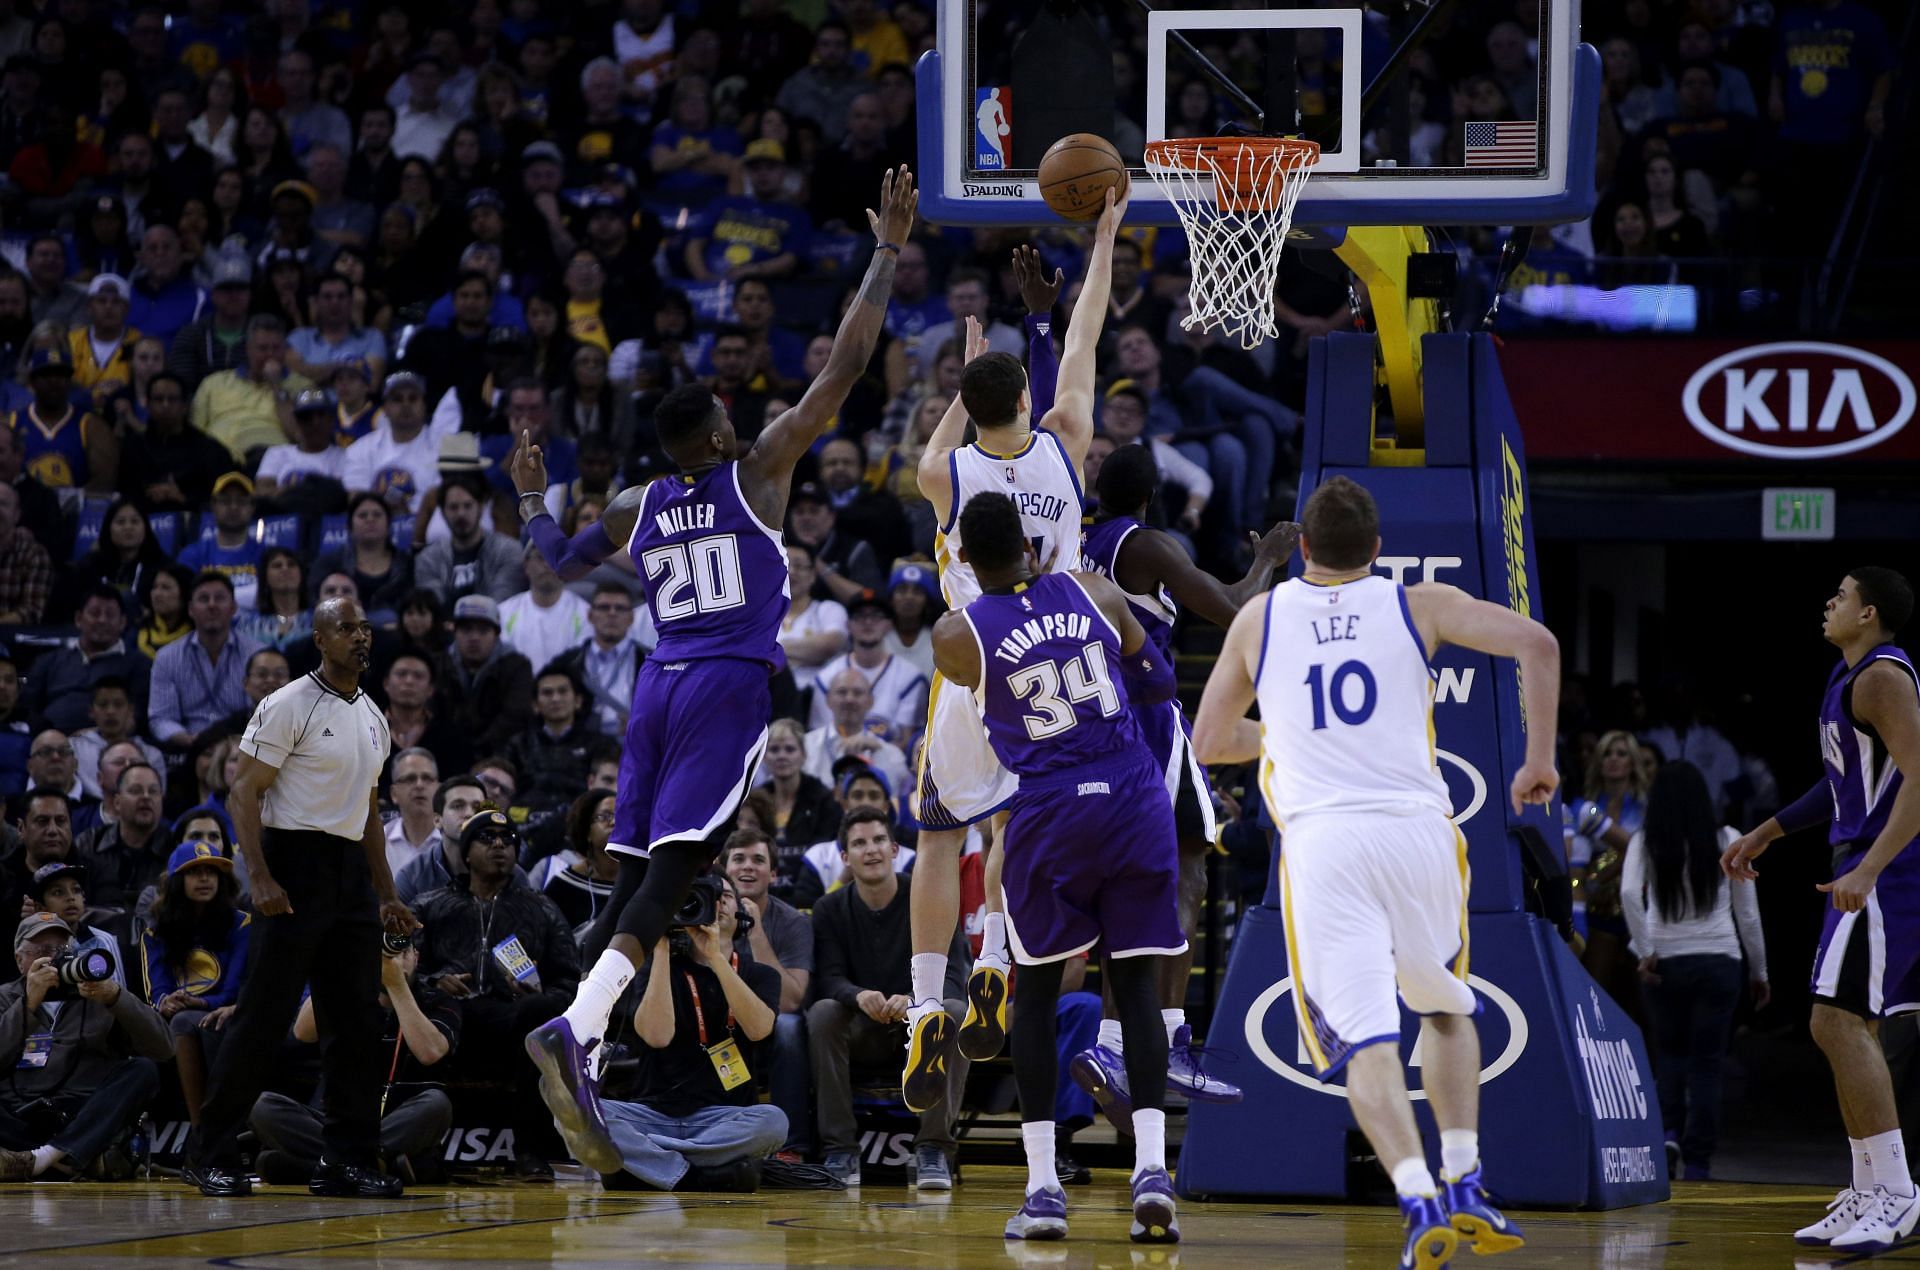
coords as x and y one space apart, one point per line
992 129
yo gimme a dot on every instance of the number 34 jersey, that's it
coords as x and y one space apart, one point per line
716 578
1346 702
1050 688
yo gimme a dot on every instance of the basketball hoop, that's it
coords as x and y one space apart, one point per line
1235 196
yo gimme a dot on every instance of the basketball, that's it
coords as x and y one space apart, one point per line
1077 171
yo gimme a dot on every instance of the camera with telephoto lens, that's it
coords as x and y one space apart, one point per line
76 966
702 904
393 945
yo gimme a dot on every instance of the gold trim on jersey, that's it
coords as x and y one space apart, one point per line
1466 888
1033 439
1302 1019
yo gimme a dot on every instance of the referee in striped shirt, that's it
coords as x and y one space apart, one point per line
307 820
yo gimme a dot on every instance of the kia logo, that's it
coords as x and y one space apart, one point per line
1798 400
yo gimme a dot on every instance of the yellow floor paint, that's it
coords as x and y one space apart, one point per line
163 1223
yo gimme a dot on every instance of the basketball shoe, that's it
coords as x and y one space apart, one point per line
984 1031
1848 1207
1890 1219
929 1051
1481 1226
1431 1239
1043 1216
1153 1209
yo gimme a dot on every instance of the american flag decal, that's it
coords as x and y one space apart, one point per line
1502 145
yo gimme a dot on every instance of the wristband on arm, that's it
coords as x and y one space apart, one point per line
571 558
1043 365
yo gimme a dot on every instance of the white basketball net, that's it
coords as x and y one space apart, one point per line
1236 198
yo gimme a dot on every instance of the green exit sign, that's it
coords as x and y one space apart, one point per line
1796 515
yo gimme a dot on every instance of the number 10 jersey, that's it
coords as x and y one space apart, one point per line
1346 702
716 578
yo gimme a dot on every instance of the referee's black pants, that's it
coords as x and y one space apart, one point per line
331 943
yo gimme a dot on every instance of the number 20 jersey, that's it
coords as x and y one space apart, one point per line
1346 702
716 578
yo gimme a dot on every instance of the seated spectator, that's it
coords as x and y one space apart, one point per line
61 689
80 1077
268 670
217 339
26 570
1636 257
968 297
101 350
53 767
554 753
62 445
473 561
813 632
163 607
607 132
847 732
250 407
45 829
453 310
694 1122
453 357
171 465
912 589
61 889
345 222
359 409
164 299
1676 230
51 295
1703 136
546 620
847 564
317 351
897 687
229 546
801 806
417 717
383 572
844 174
1123 417
492 688
692 157
529 415
731 357
280 617
415 830
1694 42
504 952
1132 300
127 856
455 801
776 357
861 950
125 554
111 710
417 1112
193 955
872 516
855 786
595 317
582 876
823 90
780 938
399 459
312 453
609 660
751 235
200 679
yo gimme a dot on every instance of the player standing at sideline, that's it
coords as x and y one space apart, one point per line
1089 853
1157 577
1869 740
960 781
708 549
1373 874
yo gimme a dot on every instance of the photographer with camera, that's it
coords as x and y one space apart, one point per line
506 955
82 1053
420 1032
695 1123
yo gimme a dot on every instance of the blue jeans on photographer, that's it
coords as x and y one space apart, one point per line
1692 1009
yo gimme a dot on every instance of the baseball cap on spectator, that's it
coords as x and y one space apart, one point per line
49 361
870 600
460 452
188 854
508 339
604 201
404 379
809 492
108 203
766 150
484 197
354 366
314 401
36 924
486 818
233 271
47 874
230 479
1126 388
912 575
300 189
284 256
542 152
108 282
849 768
477 608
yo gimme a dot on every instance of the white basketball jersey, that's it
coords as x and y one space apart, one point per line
1042 484
1346 702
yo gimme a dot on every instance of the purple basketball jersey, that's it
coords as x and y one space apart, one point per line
1859 770
1050 694
716 578
1099 551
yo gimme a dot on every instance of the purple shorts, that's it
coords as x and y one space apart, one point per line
696 735
1092 857
1868 962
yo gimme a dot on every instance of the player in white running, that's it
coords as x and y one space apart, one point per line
960 782
1373 873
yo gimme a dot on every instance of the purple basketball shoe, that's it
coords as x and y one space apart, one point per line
1043 1216
571 1090
1153 1221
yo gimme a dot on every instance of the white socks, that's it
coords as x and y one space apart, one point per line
593 1003
1110 1034
993 941
1862 1169
1038 1136
1175 1020
45 1158
1410 1178
1149 1140
1459 1153
1110 1029
1887 1156
929 977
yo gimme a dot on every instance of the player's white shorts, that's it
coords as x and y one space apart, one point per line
1374 901
960 780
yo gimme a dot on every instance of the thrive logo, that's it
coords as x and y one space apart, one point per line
1613 1078
1513 523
